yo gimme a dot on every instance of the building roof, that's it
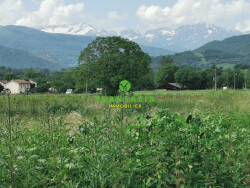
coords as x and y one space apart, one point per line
3 81
175 85
21 81
69 90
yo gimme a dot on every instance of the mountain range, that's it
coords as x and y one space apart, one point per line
60 49
15 58
227 53
60 46
183 38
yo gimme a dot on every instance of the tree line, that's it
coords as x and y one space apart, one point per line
108 60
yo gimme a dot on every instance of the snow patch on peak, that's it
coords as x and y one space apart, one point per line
168 32
74 29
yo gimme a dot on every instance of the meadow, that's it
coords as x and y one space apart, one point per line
183 139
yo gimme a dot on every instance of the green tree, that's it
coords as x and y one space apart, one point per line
188 77
42 85
30 73
63 82
239 79
165 60
165 74
247 78
10 76
206 77
108 60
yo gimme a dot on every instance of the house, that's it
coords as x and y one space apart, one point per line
69 91
17 86
3 82
171 86
33 84
99 90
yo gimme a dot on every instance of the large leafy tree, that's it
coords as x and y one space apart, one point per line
189 78
108 60
10 76
30 73
64 81
166 72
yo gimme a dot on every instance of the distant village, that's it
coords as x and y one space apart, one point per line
17 86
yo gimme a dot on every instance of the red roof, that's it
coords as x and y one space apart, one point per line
3 81
22 81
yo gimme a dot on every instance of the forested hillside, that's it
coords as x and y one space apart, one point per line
233 51
14 58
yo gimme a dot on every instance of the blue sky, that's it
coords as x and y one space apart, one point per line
117 15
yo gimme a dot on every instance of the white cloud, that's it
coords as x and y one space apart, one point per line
10 11
245 26
52 12
194 12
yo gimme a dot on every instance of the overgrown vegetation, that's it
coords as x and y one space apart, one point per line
73 141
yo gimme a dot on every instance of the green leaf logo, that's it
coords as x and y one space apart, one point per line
125 86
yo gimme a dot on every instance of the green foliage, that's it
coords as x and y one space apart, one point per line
60 50
186 59
207 81
189 78
10 76
170 153
64 81
20 73
228 52
30 73
226 78
16 58
160 149
27 47
165 74
165 60
108 60
231 44
42 85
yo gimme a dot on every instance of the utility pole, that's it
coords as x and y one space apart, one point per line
234 80
215 78
245 79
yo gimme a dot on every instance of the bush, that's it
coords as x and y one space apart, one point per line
163 150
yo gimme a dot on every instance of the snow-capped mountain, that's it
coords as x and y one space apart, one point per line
129 34
187 37
183 38
76 29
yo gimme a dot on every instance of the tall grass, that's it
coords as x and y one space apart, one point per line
73 141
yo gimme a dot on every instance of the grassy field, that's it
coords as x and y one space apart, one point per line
183 139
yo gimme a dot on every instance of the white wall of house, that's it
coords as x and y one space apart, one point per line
24 87
17 88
